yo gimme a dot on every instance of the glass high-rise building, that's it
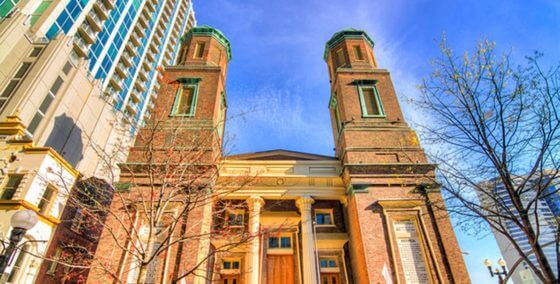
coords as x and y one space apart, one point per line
81 74
546 217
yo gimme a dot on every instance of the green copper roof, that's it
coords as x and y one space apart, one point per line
210 31
346 33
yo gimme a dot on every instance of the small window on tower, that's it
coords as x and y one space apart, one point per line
371 103
199 50
358 52
185 101
340 60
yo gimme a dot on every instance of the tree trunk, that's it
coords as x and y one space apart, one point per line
546 269
141 273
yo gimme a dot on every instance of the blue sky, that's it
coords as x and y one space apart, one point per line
278 78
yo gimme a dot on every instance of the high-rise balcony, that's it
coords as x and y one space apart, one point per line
131 110
110 91
150 6
150 56
139 31
87 33
110 4
131 50
134 39
116 82
126 60
143 21
146 65
143 75
94 21
165 15
159 31
157 39
140 86
135 96
150 106
80 46
101 10
121 70
153 48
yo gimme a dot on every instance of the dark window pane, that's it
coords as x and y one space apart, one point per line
370 101
286 242
324 263
227 265
14 181
10 88
199 49
273 243
35 52
67 67
235 265
332 263
23 70
8 194
46 103
358 52
34 123
323 219
56 86
340 60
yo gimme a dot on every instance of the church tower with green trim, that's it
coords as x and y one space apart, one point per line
385 172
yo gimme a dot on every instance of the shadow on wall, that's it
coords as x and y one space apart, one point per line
66 139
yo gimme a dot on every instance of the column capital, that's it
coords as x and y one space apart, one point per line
304 203
255 201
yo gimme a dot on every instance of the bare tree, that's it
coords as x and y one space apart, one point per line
494 132
164 204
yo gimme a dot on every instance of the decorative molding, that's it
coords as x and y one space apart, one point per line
305 203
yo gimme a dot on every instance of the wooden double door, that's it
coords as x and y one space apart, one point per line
231 279
330 278
280 269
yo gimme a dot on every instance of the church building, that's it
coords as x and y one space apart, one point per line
372 213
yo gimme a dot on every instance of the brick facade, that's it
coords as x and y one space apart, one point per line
370 188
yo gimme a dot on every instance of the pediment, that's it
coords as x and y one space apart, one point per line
279 155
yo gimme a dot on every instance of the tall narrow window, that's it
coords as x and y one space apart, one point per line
185 101
371 103
54 262
339 58
18 264
336 112
41 112
199 50
47 200
11 186
358 52
14 83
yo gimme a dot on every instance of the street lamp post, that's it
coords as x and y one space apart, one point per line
21 221
497 271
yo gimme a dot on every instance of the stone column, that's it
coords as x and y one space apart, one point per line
309 260
255 204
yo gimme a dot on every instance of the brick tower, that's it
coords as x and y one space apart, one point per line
394 232
176 151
